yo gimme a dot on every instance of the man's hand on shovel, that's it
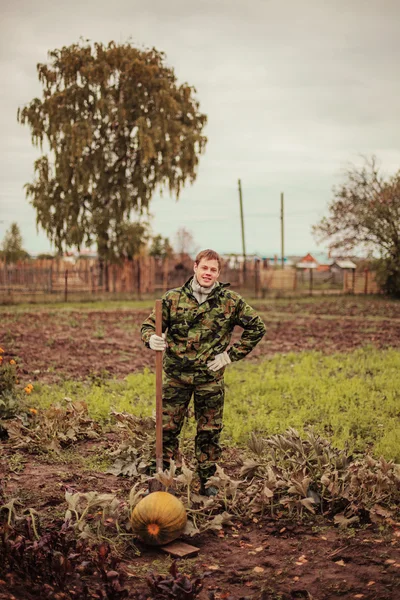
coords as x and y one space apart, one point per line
157 342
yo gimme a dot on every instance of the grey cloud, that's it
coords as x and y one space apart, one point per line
293 90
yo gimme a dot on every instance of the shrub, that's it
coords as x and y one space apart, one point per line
388 275
8 389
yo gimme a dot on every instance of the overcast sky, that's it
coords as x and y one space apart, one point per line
294 91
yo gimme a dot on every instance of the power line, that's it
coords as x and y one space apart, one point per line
289 213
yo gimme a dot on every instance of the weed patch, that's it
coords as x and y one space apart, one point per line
352 399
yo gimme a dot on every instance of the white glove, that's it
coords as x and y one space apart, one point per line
156 342
219 361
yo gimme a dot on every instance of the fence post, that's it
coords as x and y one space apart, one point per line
66 285
366 281
311 282
106 277
8 281
344 286
133 275
353 280
165 274
257 278
114 277
294 279
139 282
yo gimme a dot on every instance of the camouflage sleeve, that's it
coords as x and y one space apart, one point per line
254 329
149 325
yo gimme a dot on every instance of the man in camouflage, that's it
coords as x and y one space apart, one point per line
198 320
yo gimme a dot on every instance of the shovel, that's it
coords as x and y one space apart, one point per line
177 549
154 484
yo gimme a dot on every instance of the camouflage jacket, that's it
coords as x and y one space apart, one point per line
197 332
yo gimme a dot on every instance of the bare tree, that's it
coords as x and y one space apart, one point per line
365 212
184 242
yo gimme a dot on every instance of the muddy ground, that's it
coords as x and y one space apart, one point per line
261 559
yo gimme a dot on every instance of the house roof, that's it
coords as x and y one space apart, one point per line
345 264
307 264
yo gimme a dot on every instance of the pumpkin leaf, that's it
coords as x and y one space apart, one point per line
134 496
191 528
267 493
343 521
166 478
72 500
308 504
249 467
220 520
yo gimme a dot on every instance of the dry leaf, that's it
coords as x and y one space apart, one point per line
259 549
341 563
301 560
258 570
370 583
389 561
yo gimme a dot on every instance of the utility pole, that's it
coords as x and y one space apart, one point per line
282 234
242 223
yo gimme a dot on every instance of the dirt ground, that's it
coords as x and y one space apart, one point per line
54 345
266 559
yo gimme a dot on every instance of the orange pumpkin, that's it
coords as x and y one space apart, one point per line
158 518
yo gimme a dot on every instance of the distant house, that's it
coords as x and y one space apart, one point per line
307 262
339 266
73 256
233 261
323 263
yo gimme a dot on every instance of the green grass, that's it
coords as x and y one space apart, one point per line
56 307
352 399
299 304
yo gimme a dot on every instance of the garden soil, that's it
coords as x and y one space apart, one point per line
260 559
55 345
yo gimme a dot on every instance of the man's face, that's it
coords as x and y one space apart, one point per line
207 272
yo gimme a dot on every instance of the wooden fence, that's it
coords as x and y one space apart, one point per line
86 278
362 282
311 281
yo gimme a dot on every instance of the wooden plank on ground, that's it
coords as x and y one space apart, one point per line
180 549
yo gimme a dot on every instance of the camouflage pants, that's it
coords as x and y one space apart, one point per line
208 391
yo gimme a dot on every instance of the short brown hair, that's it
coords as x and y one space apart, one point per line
208 255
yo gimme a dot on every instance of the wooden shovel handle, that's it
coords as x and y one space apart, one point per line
159 356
